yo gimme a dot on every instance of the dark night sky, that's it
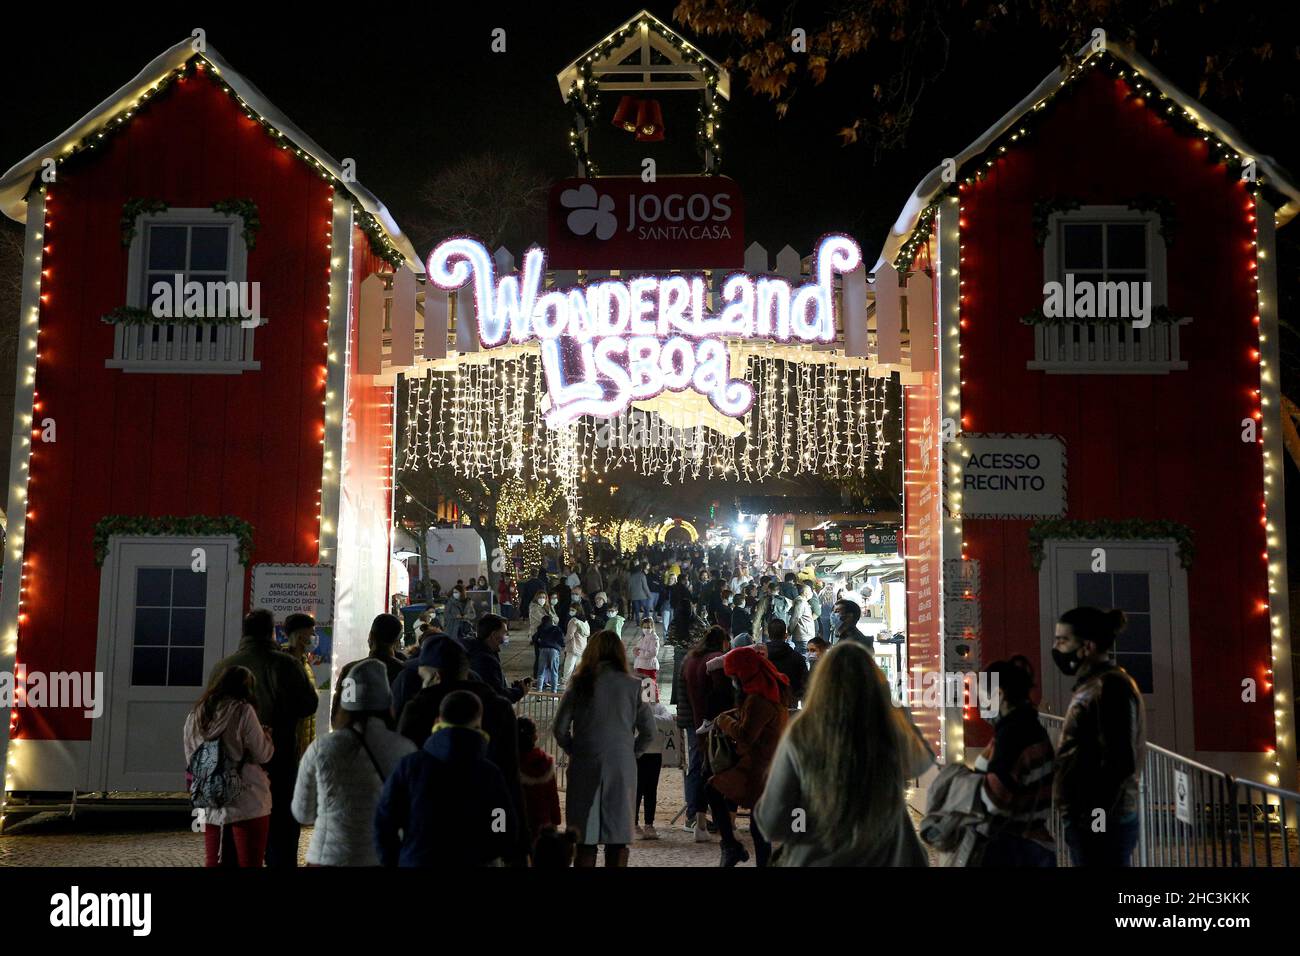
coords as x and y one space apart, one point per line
407 96
406 90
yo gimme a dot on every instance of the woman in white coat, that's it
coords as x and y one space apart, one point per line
575 642
342 775
603 723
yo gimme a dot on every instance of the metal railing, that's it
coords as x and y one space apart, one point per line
1193 815
541 707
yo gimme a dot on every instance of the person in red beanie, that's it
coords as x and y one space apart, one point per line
755 727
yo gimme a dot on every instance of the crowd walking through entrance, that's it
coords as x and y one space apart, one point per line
786 728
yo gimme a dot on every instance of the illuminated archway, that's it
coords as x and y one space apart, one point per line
661 534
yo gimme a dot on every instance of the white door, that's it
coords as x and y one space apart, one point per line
1143 580
163 625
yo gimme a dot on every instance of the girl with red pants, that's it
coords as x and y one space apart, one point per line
234 835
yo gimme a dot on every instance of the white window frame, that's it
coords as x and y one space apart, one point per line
1114 349
1161 555
233 339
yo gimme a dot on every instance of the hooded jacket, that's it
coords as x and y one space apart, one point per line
244 743
575 641
447 806
541 795
338 790
549 636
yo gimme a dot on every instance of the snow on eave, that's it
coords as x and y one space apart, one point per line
933 185
17 182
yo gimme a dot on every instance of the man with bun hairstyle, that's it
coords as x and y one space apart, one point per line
1099 755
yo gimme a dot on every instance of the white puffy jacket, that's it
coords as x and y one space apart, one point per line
338 789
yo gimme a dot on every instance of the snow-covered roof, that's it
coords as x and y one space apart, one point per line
16 183
929 188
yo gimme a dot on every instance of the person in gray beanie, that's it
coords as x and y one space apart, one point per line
342 775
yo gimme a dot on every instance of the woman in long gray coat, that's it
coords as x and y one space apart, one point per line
603 724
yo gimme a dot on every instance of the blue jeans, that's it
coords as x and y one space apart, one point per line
550 668
1111 848
694 774
668 616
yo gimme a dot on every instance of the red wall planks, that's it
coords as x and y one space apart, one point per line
1152 447
246 445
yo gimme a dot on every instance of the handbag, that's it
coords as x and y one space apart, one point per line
722 751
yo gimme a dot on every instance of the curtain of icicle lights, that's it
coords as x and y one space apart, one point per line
485 420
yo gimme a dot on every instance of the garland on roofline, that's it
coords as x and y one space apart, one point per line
172 525
1140 88
584 94
380 243
1128 529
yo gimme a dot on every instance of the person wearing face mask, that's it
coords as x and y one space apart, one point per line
646 660
844 623
1016 791
1099 754
539 612
575 642
600 611
460 611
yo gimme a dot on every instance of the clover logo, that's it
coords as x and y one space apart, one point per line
590 211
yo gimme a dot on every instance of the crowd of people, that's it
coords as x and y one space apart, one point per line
784 714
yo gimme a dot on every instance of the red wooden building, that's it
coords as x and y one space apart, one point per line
254 443
1128 460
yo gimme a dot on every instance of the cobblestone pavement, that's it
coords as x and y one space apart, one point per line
130 838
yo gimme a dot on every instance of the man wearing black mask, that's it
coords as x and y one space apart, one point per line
1099 755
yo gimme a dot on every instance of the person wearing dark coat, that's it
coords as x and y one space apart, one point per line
485 659
284 696
563 603
448 805
788 661
742 622
385 635
498 717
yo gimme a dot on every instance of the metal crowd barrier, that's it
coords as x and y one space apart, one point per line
541 707
1193 815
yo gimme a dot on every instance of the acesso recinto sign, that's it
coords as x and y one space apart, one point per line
687 222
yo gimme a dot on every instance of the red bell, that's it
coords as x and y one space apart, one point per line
649 122
626 114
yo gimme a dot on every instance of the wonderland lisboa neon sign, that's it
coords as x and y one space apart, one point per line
616 341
